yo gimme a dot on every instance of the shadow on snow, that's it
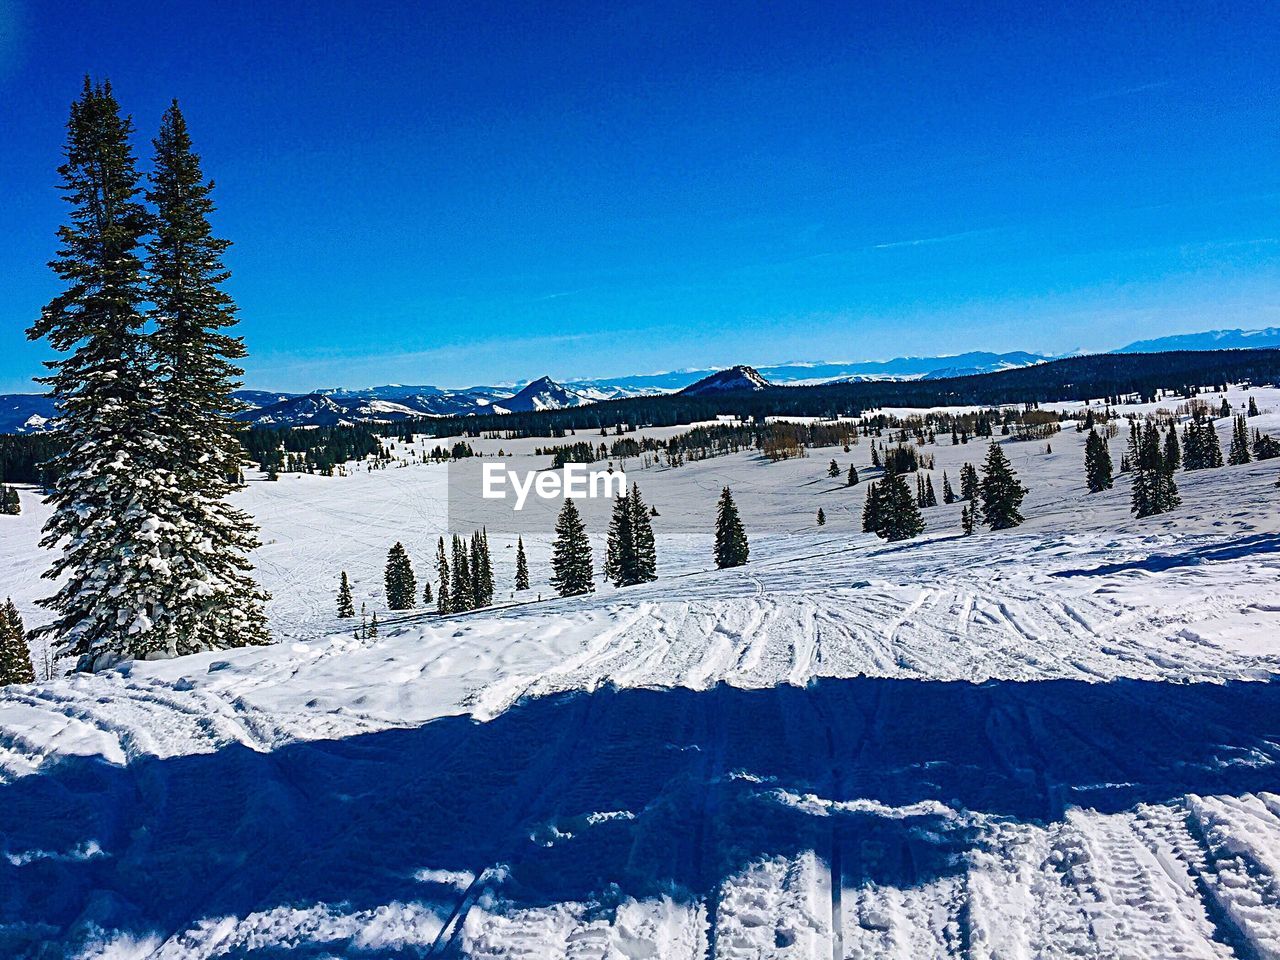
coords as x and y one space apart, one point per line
689 779
1253 545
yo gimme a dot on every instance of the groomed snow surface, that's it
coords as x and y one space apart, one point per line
1056 741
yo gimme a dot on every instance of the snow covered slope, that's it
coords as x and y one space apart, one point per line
1055 741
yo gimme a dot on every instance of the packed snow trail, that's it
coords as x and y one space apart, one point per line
573 807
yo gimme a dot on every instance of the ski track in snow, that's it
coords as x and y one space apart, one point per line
759 763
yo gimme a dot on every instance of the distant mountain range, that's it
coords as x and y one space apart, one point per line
1268 337
22 413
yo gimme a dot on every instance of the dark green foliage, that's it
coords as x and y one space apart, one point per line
822 518
1153 488
646 548
1253 407
15 657
481 569
444 602
901 459
1098 468
967 519
571 572
10 504
1172 450
852 479
1239 452
111 482
732 549
899 516
968 483
346 608
461 594
1000 491
427 596
401 585
1265 447
833 470
195 361
873 510
948 495
1200 447
522 566
632 553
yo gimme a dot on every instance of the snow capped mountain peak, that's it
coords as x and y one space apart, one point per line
544 394
740 377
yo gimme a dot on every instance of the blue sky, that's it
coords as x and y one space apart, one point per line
474 192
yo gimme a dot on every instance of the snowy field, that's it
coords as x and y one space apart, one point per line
1056 741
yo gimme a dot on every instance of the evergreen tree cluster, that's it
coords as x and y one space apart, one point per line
1200 447
1153 489
631 556
1240 452
1098 468
9 502
152 558
15 657
890 511
465 574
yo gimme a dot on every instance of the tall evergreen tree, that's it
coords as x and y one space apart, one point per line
620 552
109 518
401 585
833 470
461 597
571 572
428 597
930 497
481 570
444 602
646 550
1097 463
522 566
873 510
195 359
852 479
1000 491
1239 452
346 607
1172 450
732 549
1253 406
969 483
15 656
967 519
822 518
948 495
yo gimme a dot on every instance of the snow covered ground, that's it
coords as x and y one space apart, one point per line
1056 741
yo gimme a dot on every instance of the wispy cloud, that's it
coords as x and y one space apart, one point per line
1119 92
941 238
